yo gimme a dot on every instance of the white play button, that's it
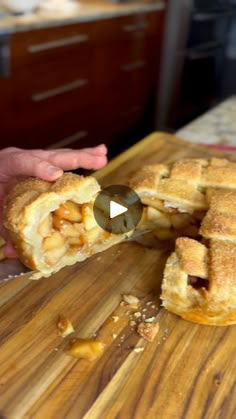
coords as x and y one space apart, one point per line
116 209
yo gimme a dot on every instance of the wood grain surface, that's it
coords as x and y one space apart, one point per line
187 372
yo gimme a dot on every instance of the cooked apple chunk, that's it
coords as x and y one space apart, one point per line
45 227
86 349
69 211
54 241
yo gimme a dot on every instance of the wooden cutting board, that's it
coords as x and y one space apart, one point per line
187 372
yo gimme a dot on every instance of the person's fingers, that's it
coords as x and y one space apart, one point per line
100 150
77 159
22 164
10 251
10 149
71 159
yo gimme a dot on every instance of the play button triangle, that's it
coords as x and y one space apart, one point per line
116 209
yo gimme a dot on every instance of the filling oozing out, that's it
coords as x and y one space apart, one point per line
169 223
67 229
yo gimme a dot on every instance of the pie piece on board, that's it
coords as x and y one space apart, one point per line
194 198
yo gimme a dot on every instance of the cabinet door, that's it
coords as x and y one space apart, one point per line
90 77
50 86
127 75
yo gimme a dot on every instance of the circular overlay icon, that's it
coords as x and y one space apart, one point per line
117 209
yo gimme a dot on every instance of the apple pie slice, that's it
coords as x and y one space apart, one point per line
52 224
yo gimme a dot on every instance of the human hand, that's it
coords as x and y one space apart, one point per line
43 164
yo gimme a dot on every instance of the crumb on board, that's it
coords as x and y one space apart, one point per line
138 349
130 299
150 319
148 331
65 327
115 318
86 349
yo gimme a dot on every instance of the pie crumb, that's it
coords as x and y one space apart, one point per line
130 299
65 327
138 349
115 318
150 320
148 331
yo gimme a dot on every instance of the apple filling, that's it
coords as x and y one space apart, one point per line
67 229
169 223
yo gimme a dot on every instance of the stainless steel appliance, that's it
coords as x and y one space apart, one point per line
4 56
195 60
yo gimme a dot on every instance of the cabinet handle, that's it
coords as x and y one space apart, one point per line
77 84
136 27
133 66
79 135
199 55
203 17
77 39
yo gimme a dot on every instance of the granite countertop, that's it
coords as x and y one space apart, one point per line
216 127
86 11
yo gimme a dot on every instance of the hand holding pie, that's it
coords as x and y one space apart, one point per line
16 163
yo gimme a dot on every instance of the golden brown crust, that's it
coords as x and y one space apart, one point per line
189 169
45 242
148 178
192 256
199 281
214 302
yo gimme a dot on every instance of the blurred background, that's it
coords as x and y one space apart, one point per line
80 73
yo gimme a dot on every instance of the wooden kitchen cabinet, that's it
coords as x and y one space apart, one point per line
80 84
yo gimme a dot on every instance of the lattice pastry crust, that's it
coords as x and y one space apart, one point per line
195 198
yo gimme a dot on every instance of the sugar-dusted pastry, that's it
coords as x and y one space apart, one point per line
52 224
194 198
200 281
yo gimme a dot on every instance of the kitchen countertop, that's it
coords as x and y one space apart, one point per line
86 11
215 127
